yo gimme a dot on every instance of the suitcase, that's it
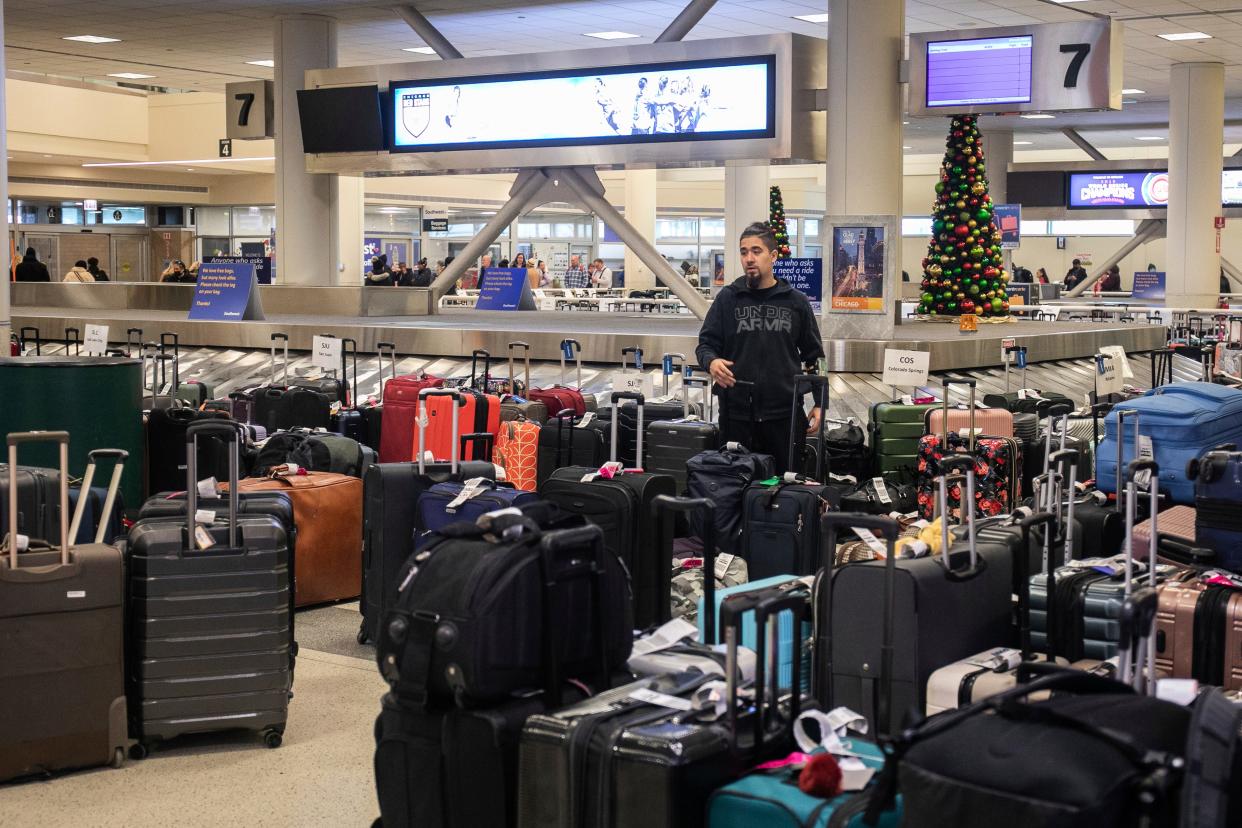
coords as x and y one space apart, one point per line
160 394
773 797
895 430
723 477
166 446
560 398
446 503
102 510
568 440
311 450
211 630
517 403
401 411
1198 620
38 502
843 449
61 642
454 411
1183 421
1025 400
517 452
672 443
946 608
622 506
1177 522
620 760
335 386
1217 479
327 511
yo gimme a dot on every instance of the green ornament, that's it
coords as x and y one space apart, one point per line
996 304
984 215
974 289
957 169
927 298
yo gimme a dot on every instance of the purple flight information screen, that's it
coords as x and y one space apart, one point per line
993 70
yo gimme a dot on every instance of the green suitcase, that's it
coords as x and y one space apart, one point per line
895 429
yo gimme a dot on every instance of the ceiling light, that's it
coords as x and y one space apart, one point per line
812 18
610 35
1134 92
46 156
1148 138
129 75
268 63
1023 143
1037 116
907 148
905 123
175 163
1185 36
421 50
93 39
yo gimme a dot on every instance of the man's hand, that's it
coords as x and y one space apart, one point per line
813 421
721 374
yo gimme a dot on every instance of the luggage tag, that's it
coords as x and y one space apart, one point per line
1225 579
881 491
833 727
207 489
202 537
586 419
471 488
873 543
666 636
906 399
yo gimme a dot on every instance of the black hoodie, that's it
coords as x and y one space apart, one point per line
768 339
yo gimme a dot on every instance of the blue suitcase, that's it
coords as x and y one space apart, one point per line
1184 421
1218 491
788 646
437 508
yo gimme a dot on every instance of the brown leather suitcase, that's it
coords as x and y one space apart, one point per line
327 511
62 679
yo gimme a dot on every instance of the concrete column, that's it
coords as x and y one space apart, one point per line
348 217
746 201
998 150
6 323
1196 132
866 43
306 246
640 211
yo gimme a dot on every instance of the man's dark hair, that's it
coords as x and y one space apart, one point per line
80 263
1077 263
760 230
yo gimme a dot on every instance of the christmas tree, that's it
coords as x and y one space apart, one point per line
963 271
777 223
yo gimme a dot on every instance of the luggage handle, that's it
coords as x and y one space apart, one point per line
616 397
1126 663
380 347
474 368
120 455
970 444
663 505
348 345
21 335
1176 549
23 438
967 464
820 383
229 433
888 530
1122 415
284 364
157 359
1138 615
525 346
1015 349
423 395
131 340
551 546
1062 488
1022 564
667 363
484 438
571 347
698 382
75 341
167 338
638 357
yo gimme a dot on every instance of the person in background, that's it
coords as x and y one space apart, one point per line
544 281
1111 279
1021 275
380 275
452 291
92 264
1041 276
78 273
575 275
761 330
601 275
503 263
422 276
1075 275
176 273
30 269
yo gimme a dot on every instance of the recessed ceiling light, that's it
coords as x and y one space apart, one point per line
905 123
1037 116
93 39
610 35
422 50
907 148
129 75
175 163
1148 138
46 156
812 18
267 63
1134 92
1023 143
1185 36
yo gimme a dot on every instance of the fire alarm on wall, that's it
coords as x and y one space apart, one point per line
1220 222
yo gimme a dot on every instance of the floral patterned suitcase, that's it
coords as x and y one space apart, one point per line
517 451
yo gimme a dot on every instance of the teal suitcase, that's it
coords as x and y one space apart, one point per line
785 625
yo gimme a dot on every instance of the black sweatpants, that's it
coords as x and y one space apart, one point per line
767 437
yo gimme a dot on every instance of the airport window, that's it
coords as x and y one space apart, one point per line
916 226
213 221
391 219
711 228
1092 227
215 246
810 227
676 227
118 214
253 220
791 226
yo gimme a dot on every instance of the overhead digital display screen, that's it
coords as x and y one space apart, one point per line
684 101
1119 189
1231 188
994 70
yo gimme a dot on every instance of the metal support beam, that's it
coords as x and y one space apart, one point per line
1083 144
689 17
525 189
586 185
1147 230
429 33
1232 272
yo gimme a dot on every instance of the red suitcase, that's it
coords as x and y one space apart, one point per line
400 413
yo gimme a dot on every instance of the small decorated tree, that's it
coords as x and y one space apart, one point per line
777 222
964 272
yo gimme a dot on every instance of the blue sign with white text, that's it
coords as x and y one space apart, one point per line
262 265
804 275
223 291
505 288
1148 284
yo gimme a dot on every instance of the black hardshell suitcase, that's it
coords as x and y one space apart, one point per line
672 443
569 440
622 507
210 630
38 506
946 608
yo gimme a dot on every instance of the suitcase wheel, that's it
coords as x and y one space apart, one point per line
139 751
272 738
362 635
118 757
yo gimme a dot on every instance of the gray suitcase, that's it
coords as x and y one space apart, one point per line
512 409
671 443
211 630
61 643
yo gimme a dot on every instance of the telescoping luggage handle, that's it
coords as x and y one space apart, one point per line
697 382
1058 489
662 507
525 346
422 421
24 438
950 467
1124 414
350 346
1022 564
1127 663
1056 412
73 338
618 396
474 368
571 348
229 432
888 530
133 341
120 456
284 370
638 358
970 426
560 561
158 361
671 364
818 384
380 349
38 342
1020 352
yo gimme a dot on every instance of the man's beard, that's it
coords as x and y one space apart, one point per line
753 279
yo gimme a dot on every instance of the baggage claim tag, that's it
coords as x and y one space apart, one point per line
207 488
881 491
202 537
1146 452
876 545
662 700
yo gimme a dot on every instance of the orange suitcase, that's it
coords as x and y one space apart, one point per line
517 451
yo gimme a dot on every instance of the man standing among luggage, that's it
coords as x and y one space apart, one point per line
760 330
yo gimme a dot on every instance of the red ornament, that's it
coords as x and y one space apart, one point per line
961 231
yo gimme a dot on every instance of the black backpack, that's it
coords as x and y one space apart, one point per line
722 477
312 450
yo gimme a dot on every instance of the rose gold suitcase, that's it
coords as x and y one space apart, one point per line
994 422
1177 521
